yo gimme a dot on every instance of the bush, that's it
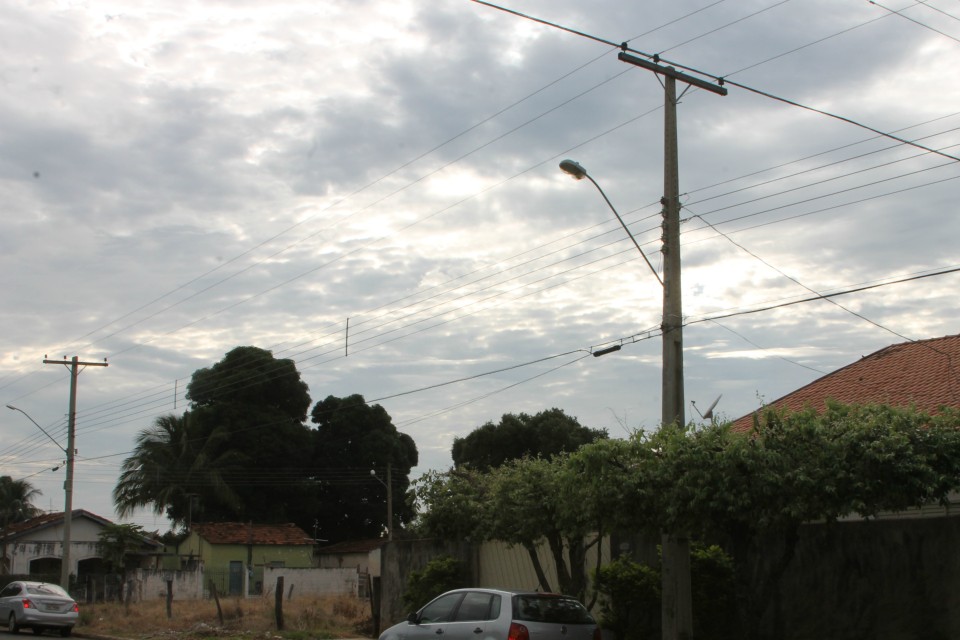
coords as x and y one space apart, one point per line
630 605
441 574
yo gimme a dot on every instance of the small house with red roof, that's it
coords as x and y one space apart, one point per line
924 374
234 554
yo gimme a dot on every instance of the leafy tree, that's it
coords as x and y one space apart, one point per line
16 501
351 439
173 463
545 434
250 376
261 402
524 502
240 452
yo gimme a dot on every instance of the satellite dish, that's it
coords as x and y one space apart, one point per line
708 414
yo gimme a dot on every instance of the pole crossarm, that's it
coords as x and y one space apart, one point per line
670 72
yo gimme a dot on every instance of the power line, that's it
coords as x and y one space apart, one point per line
899 12
721 80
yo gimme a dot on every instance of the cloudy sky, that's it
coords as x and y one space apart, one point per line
372 189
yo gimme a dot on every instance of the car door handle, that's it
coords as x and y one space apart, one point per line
439 632
478 630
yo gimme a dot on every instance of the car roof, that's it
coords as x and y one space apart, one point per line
510 592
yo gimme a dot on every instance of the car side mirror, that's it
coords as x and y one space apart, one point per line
413 618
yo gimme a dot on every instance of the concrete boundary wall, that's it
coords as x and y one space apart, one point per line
312 581
189 585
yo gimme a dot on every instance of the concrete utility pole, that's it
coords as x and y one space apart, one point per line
74 364
677 607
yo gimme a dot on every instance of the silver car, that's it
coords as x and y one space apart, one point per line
38 606
494 614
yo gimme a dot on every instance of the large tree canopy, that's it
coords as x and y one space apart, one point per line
243 452
546 434
353 438
250 376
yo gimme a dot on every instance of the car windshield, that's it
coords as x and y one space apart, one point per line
46 590
550 608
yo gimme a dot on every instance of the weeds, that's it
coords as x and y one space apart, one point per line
305 618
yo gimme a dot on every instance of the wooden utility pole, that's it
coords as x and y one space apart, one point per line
74 364
677 605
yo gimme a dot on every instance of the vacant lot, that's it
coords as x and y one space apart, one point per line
304 618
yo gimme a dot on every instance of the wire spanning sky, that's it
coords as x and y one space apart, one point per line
372 189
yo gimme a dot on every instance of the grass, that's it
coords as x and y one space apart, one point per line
304 618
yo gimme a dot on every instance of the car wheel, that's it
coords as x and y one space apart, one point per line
12 625
66 631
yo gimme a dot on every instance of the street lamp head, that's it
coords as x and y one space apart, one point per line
573 168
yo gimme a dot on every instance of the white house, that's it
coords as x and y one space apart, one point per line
35 546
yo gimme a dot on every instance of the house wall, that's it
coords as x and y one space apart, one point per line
48 543
152 584
364 562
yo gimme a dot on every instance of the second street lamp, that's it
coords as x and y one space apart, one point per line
67 501
389 485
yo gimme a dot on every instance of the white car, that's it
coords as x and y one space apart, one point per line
494 614
38 606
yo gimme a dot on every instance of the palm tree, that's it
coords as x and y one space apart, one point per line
15 501
172 462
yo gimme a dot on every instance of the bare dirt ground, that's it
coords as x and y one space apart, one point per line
304 618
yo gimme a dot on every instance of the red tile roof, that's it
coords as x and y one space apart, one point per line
50 519
246 533
923 374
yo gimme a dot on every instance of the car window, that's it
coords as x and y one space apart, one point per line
10 590
441 609
478 606
46 590
550 608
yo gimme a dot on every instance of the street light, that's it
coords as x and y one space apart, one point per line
389 486
13 408
576 170
67 502
677 620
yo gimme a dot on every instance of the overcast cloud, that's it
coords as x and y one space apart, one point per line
180 179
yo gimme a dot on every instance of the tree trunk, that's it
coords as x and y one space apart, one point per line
537 567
